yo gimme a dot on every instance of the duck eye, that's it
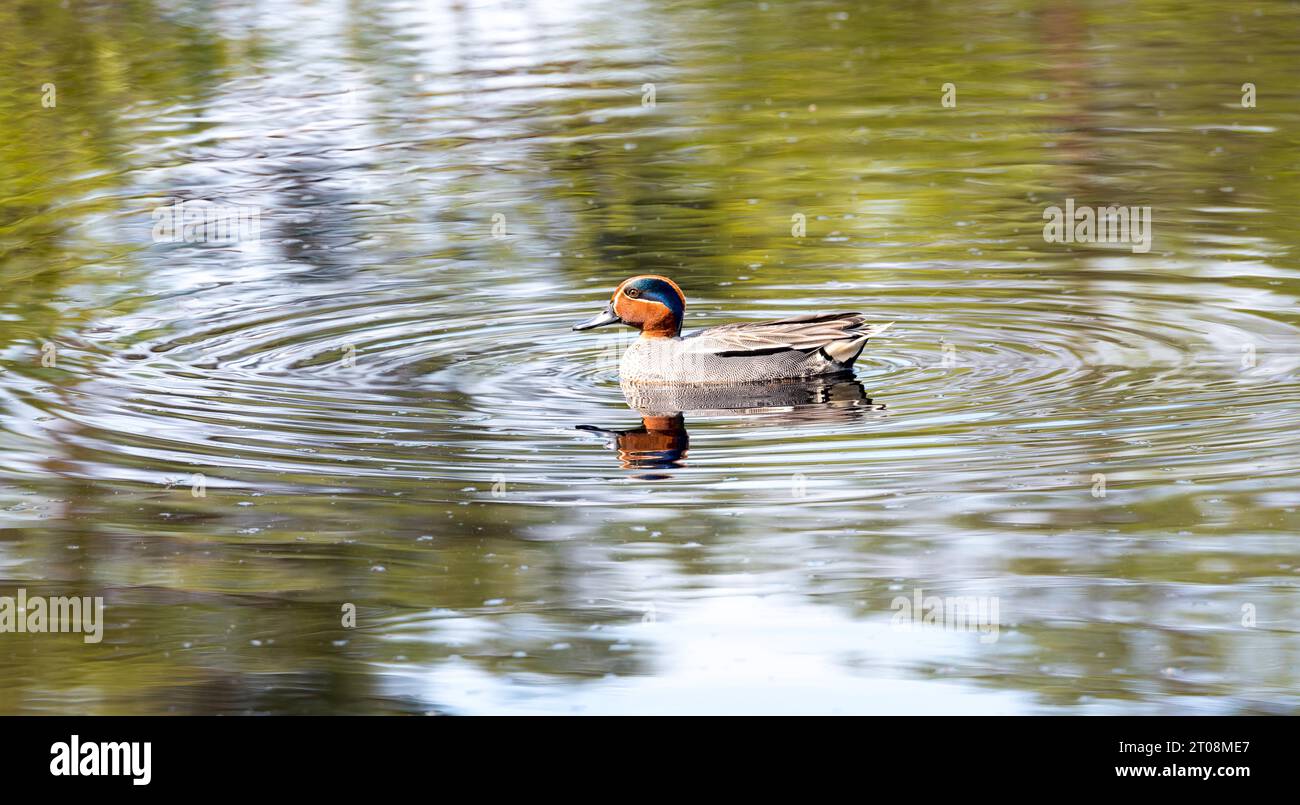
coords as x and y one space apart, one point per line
633 292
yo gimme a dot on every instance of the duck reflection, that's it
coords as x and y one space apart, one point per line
662 440
659 443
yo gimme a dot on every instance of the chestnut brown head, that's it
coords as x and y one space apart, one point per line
650 303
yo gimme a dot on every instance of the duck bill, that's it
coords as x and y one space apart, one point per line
606 316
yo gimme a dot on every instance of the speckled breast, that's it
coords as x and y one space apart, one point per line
673 360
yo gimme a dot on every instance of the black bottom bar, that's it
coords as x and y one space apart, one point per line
371 754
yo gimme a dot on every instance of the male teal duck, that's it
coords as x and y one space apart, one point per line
803 346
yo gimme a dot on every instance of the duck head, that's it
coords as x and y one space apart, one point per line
650 303
660 443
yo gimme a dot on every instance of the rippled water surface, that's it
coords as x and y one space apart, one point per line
380 402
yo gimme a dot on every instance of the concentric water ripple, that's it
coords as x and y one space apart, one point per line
359 388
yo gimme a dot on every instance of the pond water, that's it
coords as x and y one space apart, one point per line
378 402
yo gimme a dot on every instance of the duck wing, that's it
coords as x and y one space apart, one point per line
805 333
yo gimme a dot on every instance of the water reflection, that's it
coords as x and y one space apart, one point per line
658 443
661 440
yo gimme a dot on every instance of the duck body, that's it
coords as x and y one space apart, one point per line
799 347
806 346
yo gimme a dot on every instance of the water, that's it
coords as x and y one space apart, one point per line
381 404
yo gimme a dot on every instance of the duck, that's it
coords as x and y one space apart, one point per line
802 346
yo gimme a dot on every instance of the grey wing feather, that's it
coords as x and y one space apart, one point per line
799 332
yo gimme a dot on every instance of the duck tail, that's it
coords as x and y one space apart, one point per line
846 351
869 330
